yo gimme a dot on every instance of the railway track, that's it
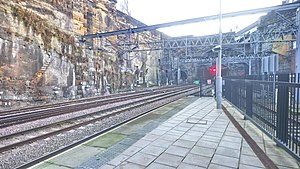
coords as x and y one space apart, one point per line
65 103
30 114
17 140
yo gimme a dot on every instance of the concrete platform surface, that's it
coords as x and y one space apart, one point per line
187 134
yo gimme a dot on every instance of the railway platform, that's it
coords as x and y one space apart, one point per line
186 134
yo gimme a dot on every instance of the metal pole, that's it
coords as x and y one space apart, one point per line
218 66
250 68
178 71
297 58
297 70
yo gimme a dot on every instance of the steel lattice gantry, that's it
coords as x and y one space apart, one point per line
228 39
198 49
188 21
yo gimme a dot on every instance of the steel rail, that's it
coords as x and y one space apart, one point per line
5 137
33 108
52 106
14 119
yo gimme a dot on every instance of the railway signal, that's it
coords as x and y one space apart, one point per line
213 70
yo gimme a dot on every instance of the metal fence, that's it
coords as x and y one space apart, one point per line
272 102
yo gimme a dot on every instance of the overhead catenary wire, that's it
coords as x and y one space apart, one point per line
193 20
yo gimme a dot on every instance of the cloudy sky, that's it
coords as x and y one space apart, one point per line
161 11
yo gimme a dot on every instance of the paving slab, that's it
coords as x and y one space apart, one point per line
215 166
150 137
247 151
142 143
251 160
225 161
132 150
229 152
170 137
159 166
176 150
176 133
141 159
244 166
197 160
229 144
184 143
189 166
161 143
118 160
153 150
232 139
207 143
107 166
128 165
169 159
203 151
193 138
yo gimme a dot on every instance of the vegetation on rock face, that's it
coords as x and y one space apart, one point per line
38 16
41 26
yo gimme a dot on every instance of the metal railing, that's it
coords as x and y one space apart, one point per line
272 102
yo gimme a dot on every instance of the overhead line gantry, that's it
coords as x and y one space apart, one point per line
189 21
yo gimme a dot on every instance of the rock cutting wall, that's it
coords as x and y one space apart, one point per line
41 57
284 52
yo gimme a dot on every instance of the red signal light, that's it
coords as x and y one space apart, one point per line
213 70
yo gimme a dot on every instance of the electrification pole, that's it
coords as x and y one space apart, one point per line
297 58
218 63
178 71
297 70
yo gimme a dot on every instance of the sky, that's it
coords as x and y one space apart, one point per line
153 12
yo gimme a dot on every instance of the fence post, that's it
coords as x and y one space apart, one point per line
200 88
234 95
282 110
227 89
249 99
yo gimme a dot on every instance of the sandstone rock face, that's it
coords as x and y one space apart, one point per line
40 54
284 51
